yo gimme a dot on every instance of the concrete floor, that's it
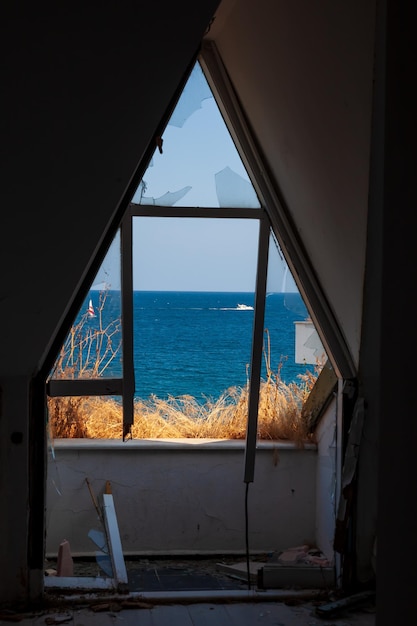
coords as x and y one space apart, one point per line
194 593
209 608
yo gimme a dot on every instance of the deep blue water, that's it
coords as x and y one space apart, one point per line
199 343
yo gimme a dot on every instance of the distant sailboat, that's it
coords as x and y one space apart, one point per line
90 310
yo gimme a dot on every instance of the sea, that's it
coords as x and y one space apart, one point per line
199 343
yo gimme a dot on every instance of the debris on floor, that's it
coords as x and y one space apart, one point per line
358 600
300 555
301 566
239 571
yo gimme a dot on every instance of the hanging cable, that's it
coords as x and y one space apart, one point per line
247 535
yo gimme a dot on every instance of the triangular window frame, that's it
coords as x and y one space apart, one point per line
273 219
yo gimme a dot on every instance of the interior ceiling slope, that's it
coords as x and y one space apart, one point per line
84 94
307 97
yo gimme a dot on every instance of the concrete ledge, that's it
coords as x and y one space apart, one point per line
174 444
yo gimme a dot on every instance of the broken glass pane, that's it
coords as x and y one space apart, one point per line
93 346
198 163
289 331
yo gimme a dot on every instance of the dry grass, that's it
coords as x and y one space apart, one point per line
88 352
279 414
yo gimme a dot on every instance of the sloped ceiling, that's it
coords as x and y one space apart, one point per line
86 91
303 73
84 88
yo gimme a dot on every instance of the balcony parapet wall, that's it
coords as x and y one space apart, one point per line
181 496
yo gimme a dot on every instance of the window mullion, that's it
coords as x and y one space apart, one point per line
257 347
127 323
144 210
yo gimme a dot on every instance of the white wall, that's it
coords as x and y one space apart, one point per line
326 488
184 497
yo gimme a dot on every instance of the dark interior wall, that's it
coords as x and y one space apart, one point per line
397 463
84 88
364 540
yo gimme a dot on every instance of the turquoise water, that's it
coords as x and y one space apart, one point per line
199 343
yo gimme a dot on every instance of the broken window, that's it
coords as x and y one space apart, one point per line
206 308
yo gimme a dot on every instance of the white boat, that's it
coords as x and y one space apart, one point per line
244 307
90 310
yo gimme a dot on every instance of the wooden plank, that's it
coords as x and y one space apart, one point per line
119 580
115 545
239 570
79 582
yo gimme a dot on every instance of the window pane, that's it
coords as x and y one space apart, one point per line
199 164
190 276
288 326
93 347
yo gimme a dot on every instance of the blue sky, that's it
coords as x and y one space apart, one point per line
196 254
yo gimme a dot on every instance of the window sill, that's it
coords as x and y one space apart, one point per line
175 444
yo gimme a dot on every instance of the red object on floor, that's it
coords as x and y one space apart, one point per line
65 566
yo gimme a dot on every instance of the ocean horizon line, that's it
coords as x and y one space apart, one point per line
108 288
